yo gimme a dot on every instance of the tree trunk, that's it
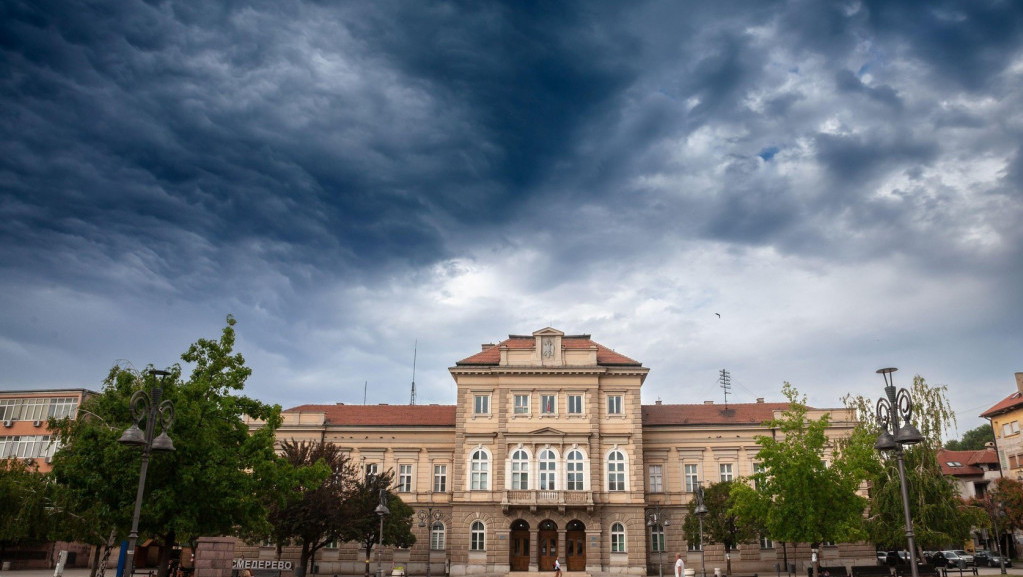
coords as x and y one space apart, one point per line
369 552
100 567
169 541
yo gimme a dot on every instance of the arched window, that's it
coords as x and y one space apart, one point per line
657 537
437 536
616 471
618 538
480 467
575 465
548 470
520 470
478 537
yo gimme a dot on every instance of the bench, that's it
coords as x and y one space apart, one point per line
871 571
822 571
958 571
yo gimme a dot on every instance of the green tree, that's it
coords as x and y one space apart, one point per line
940 517
721 524
973 440
317 510
217 480
798 498
364 524
23 499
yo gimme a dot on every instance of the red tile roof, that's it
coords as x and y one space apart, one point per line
383 415
969 461
710 414
492 356
1012 402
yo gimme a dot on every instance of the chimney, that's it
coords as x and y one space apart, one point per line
487 346
760 400
708 402
1019 382
658 402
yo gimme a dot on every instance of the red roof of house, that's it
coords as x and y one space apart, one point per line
969 461
705 414
1012 402
383 415
492 355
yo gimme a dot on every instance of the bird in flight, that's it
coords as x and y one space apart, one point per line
718 314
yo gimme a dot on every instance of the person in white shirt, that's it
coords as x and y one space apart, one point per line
680 566
557 568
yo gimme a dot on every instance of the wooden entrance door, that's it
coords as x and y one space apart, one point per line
518 552
547 545
575 546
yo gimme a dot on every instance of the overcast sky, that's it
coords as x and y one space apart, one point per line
842 182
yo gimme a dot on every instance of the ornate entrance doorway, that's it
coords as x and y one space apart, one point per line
518 552
547 545
575 546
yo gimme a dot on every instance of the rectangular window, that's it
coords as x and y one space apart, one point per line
35 410
61 407
440 478
692 478
371 470
693 545
726 471
758 468
521 404
548 404
614 404
766 543
575 404
656 479
25 446
1010 428
404 478
482 405
331 544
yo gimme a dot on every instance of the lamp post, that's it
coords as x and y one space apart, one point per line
383 511
890 409
151 409
701 512
655 520
429 518
998 537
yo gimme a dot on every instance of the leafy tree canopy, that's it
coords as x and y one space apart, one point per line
23 501
364 523
973 440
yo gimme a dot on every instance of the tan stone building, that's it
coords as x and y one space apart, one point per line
548 453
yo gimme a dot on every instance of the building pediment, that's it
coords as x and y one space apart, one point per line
547 431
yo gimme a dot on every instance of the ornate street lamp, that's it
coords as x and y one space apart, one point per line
149 408
429 518
893 437
655 520
701 512
383 511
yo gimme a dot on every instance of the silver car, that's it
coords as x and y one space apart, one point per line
966 557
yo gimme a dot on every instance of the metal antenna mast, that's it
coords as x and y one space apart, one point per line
415 349
726 384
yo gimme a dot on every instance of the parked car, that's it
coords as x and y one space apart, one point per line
945 559
929 556
965 556
985 558
882 556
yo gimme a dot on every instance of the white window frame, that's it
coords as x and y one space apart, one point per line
766 542
576 471
404 478
656 478
520 465
521 408
547 463
725 472
618 538
615 477
576 404
549 404
478 536
615 404
479 470
691 476
440 478
481 404
438 534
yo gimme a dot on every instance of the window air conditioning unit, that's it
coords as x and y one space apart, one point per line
8 424
37 423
